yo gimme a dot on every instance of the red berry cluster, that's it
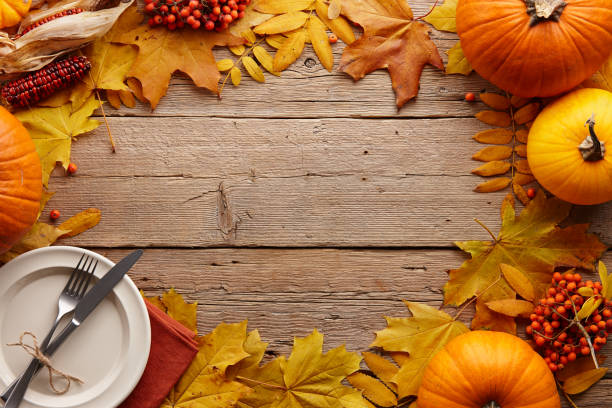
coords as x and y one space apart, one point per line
49 18
40 84
210 14
557 339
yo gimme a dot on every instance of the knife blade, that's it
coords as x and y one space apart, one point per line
87 305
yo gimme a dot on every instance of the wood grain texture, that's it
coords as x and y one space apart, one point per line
285 182
285 293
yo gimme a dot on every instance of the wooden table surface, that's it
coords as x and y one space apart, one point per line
308 201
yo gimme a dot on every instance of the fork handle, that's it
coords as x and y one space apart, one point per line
43 348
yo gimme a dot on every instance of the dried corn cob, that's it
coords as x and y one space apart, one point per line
49 18
38 85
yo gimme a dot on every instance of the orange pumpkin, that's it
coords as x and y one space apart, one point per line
535 47
20 181
484 368
570 147
13 11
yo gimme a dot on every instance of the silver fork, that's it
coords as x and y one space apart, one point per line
73 292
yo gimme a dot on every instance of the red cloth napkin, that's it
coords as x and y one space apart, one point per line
172 349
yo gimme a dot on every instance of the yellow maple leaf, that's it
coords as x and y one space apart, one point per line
533 244
457 63
307 379
42 235
53 129
204 383
421 335
443 17
181 311
161 52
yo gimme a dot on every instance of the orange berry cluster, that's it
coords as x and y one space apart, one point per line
211 14
555 337
49 18
40 84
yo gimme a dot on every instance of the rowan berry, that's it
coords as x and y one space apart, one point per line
585 351
470 97
333 38
531 193
557 276
54 214
72 168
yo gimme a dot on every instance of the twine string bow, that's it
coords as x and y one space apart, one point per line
35 352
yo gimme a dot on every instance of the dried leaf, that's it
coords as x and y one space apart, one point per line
494 118
127 98
518 281
161 52
281 7
320 42
522 179
602 78
518 101
181 311
225 64
511 307
586 291
522 166
53 129
392 40
136 88
373 389
493 168
532 242
491 153
522 135
457 63
443 17
290 51
521 150
253 69
382 368
275 40
583 381
237 50
249 35
335 8
605 280
520 193
308 378
283 23
496 136
251 18
81 222
589 306
112 97
422 335
493 185
204 383
236 76
42 235
339 26
265 59
495 101
527 113
580 365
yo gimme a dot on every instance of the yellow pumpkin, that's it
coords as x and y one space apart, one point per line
570 147
484 369
13 11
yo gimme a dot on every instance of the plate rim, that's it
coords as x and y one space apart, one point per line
131 286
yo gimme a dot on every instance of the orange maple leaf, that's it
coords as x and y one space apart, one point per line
161 52
393 40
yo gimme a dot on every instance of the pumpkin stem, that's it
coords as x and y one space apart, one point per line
592 148
543 10
491 404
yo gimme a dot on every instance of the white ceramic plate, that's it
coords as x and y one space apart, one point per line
109 351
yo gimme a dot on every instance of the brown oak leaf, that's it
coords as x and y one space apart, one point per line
161 52
392 40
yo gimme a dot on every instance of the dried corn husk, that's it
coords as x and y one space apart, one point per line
38 47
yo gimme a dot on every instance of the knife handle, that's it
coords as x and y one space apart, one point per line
19 389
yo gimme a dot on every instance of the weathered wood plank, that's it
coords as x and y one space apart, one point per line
246 182
286 293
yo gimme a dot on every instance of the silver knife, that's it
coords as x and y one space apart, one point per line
89 302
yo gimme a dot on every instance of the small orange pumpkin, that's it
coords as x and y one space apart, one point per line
13 11
570 147
20 181
535 47
484 368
